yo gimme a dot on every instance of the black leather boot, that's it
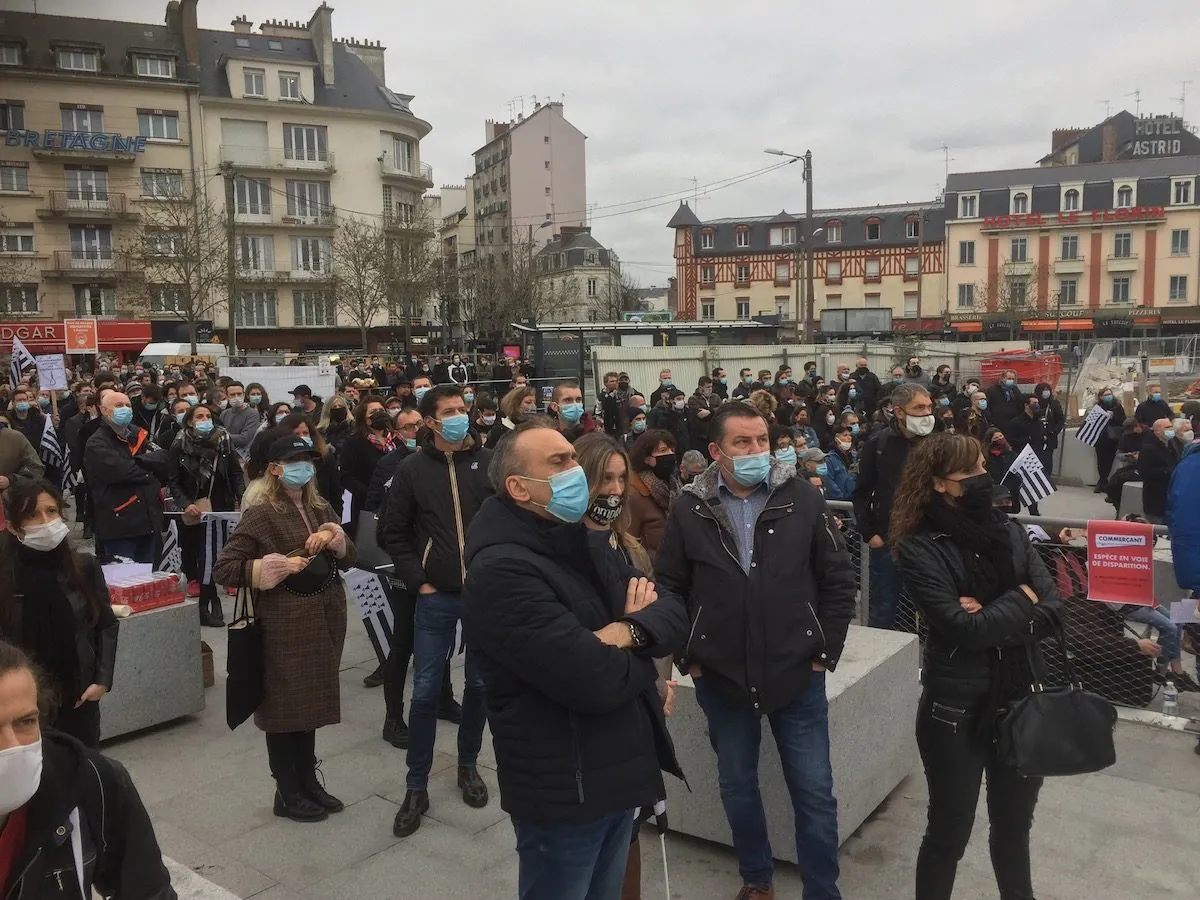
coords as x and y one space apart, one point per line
408 819
474 791
395 732
311 787
297 807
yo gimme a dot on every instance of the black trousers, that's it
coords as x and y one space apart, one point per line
395 669
1106 452
955 758
289 753
82 723
191 546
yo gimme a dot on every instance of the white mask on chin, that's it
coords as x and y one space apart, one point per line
20 776
45 537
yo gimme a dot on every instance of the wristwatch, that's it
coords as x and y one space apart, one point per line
638 635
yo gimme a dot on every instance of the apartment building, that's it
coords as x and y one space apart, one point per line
868 258
582 278
1102 248
313 137
530 182
456 248
97 118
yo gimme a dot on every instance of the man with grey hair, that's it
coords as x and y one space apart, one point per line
880 464
691 465
125 473
567 633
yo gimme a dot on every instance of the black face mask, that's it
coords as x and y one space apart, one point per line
605 508
338 414
380 421
976 493
664 466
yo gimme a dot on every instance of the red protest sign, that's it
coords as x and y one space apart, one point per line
1121 562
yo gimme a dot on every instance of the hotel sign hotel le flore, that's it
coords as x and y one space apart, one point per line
1075 217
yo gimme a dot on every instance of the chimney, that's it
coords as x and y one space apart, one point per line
1060 136
173 23
242 25
190 31
1108 142
320 32
284 28
371 53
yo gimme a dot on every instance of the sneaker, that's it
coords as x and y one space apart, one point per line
193 588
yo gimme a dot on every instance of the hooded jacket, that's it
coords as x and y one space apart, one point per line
577 724
121 857
432 500
756 633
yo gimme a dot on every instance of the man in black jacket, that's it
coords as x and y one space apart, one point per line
765 628
880 463
869 388
1154 407
1156 462
125 473
566 633
614 405
64 804
435 494
1004 402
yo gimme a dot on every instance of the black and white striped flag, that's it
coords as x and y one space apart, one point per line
217 529
1093 426
369 591
56 455
22 359
1035 483
171 558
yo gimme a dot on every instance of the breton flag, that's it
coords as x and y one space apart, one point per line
1035 483
57 456
22 359
171 559
369 591
1093 426
218 526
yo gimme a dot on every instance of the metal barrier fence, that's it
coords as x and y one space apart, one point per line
1104 642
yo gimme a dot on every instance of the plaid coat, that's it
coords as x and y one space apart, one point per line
302 636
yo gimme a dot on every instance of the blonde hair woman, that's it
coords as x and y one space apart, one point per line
287 548
336 423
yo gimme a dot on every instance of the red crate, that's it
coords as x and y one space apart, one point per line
1031 368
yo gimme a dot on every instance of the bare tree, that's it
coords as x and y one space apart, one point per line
15 271
410 265
360 277
178 259
618 295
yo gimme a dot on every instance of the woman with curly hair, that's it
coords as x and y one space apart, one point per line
654 484
764 401
987 598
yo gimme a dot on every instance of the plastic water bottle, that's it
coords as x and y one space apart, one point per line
1170 696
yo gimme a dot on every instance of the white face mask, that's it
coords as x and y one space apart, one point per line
20 776
919 425
845 445
45 537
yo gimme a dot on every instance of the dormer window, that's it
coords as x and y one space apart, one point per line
1020 204
1124 197
275 45
912 228
873 229
79 60
706 239
242 42
833 232
743 236
10 54
1071 200
154 66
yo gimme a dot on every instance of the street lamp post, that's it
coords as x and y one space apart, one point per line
809 234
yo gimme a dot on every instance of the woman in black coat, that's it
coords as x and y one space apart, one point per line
54 605
361 452
988 599
1054 420
1110 438
202 470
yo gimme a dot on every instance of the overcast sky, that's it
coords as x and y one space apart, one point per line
668 90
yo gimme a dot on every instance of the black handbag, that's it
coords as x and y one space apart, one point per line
1058 730
315 578
244 664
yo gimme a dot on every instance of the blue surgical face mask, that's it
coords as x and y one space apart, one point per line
822 469
45 401
854 428
784 379
468 399
747 379
943 401
410 443
192 399
122 415
179 417
1045 395
749 471
203 426
568 494
279 417
454 428
665 382
420 392
767 382
297 474
786 455
150 405
572 412
255 399
983 404
639 426
1156 396
22 406
1168 434
1010 382
852 393
724 380
1108 400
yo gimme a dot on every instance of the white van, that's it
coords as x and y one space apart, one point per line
158 355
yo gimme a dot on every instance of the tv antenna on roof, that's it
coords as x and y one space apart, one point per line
1182 98
946 159
696 195
1107 107
1137 101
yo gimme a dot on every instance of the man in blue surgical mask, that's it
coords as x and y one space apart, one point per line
433 498
125 472
566 409
768 612
577 724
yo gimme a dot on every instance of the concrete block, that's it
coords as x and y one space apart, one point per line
1131 500
872 707
157 676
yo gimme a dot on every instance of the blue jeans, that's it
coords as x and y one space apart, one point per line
573 861
1168 631
139 549
801 730
433 639
886 587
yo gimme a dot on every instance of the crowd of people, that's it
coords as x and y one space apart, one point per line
585 552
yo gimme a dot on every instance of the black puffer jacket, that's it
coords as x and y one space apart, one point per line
964 649
756 635
121 857
880 463
577 724
429 507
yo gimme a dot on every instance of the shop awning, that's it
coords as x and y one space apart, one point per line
1056 325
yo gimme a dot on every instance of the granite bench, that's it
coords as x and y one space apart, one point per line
872 709
157 676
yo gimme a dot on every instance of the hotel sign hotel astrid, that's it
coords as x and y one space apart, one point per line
75 140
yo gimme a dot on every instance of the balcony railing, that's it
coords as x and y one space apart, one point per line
1070 264
271 158
86 262
88 204
278 275
390 168
1127 263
